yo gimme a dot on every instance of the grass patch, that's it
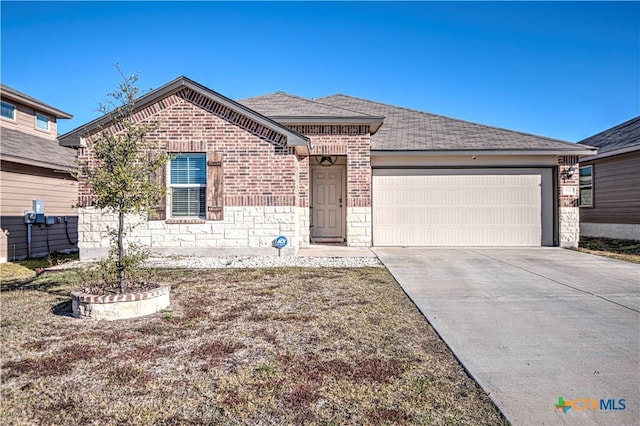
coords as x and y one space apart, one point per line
628 250
48 261
261 346
15 273
11 273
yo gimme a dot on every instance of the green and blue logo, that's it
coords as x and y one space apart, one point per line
562 405
590 404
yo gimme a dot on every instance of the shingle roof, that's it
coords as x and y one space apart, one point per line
625 135
411 130
10 92
31 148
280 104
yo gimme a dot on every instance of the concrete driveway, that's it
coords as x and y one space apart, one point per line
534 324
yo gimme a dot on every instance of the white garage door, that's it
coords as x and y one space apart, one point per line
466 207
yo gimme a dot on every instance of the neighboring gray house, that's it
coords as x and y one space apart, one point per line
338 170
610 183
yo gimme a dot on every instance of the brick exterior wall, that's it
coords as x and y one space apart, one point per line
354 142
265 184
257 172
568 201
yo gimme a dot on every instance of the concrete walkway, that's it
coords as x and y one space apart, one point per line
334 250
533 325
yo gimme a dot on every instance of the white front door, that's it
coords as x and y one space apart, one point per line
327 219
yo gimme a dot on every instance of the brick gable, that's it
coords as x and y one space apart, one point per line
352 141
258 170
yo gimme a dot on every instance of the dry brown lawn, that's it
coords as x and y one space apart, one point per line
627 250
262 346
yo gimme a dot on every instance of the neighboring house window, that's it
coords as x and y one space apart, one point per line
586 186
8 111
42 122
188 185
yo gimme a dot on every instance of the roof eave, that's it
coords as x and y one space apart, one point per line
613 152
35 163
73 138
297 119
10 96
70 141
293 138
374 122
505 152
303 150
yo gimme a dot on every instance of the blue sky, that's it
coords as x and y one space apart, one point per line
560 69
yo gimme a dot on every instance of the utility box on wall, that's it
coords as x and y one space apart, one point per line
29 216
38 208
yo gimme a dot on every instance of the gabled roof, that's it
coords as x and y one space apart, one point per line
73 138
11 94
281 104
290 109
33 150
410 130
620 139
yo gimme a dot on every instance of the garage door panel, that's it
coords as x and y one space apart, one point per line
464 207
461 236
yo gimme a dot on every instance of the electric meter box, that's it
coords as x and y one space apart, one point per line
38 208
29 216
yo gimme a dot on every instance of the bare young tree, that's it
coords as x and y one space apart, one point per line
120 175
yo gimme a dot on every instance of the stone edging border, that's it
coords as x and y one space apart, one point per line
81 297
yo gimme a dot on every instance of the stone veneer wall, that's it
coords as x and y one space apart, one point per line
304 226
568 201
244 231
359 226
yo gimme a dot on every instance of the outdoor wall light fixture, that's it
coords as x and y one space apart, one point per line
568 174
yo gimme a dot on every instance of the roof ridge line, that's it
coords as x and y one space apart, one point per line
343 108
277 92
308 100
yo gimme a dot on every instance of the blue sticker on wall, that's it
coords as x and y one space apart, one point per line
281 242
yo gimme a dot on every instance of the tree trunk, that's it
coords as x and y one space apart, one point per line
120 265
